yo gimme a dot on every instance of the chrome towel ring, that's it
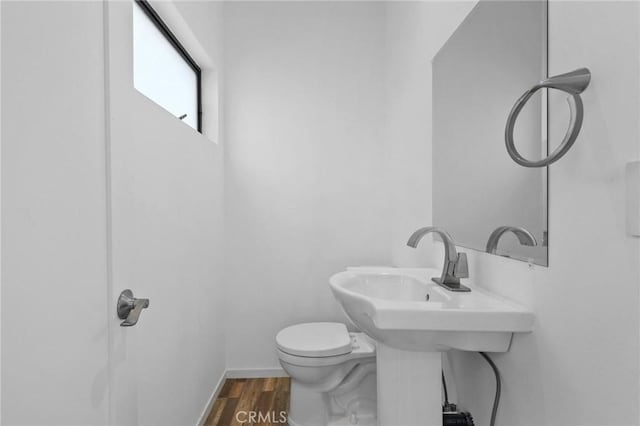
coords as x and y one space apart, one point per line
573 83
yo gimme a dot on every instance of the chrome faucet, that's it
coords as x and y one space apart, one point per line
525 237
455 265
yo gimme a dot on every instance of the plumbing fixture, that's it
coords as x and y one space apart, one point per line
525 237
455 265
496 399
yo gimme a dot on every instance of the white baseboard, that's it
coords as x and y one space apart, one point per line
212 399
249 373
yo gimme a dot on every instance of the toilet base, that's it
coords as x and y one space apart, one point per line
307 407
345 421
337 408
330 386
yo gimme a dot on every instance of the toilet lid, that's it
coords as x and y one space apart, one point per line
316 339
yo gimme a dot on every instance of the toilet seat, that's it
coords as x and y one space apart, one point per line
322 344
315 340
307 361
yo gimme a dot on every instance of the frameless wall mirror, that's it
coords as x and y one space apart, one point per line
480 195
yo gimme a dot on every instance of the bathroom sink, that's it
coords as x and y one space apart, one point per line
404 309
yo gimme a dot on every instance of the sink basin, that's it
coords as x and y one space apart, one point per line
413 320
404 309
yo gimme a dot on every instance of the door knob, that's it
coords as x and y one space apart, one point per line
129 308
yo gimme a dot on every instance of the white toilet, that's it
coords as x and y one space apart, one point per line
333 374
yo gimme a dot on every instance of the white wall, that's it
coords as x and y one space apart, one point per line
415 31
305 162
580 365
0 213
54 306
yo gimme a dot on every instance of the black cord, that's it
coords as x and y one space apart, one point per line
444 387
496 400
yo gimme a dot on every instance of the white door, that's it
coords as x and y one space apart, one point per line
165 200
54 300
81 223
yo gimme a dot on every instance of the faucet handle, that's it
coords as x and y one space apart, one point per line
461 267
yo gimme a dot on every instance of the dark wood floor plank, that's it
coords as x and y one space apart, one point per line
229 413
282 392
269 384
248 399
216 411
265 406
268 396
237 388
226 388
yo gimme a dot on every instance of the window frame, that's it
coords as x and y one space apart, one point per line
173 40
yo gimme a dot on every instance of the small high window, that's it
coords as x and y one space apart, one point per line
163 70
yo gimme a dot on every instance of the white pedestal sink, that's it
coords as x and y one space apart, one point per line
414 320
